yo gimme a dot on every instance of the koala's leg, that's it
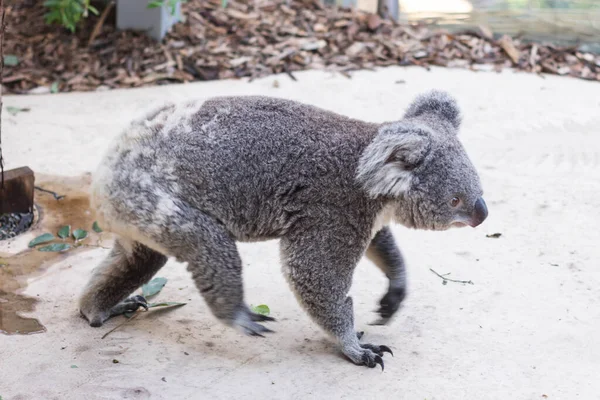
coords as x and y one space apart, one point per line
216 267
385 254
128 266
319 269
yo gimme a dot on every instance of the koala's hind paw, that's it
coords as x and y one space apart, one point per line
129 305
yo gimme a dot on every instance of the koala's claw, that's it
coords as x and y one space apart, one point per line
371 360
129 305
254 329
360 334
377 349
246 321
260 317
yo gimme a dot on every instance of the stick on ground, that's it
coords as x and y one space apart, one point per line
451 280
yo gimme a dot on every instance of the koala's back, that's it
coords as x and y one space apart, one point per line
257 164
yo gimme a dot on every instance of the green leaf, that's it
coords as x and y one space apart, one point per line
15 110
93 9
96 227
74 366
79 234
45 238
166 304
54 87
11 60
64 232
55 247
262 309
224 3
153 287
155 4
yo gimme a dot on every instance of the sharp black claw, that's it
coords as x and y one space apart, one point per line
386 349
256 334
379 361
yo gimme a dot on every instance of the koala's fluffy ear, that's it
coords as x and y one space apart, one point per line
386 166
436 103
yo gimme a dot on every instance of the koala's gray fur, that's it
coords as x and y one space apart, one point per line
190 180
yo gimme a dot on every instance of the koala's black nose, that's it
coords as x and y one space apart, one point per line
480 213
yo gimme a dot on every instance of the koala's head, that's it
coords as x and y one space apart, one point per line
419 165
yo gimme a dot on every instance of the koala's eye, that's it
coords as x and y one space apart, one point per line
455 202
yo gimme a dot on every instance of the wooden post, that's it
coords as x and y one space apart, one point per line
17 194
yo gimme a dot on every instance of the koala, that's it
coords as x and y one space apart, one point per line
190 180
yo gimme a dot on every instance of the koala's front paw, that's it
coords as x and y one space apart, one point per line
245 321
389 304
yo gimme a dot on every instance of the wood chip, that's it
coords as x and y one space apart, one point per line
255 39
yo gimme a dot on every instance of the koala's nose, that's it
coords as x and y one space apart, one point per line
480 213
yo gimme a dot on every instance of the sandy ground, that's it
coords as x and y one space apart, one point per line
527 328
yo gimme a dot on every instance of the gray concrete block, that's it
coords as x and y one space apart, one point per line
156 22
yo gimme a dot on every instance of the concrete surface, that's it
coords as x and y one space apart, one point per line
527 329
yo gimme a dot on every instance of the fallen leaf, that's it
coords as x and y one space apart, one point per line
166 304
153 287
55 247
262 309
64 232
45 238
54 88
494 235
15 110
79 234
11 60
96 228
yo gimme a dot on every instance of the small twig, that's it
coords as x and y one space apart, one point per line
56 196
121 324
95 245
451 280
100 23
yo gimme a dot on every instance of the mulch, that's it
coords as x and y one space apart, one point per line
255 40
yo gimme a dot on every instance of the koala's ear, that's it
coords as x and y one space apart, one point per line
386 166
438 104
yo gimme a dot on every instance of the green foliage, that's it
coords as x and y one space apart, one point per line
261 309
96 227
64 232
153 287
45 238
68 13
55 247
170 4
79 234
11 60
